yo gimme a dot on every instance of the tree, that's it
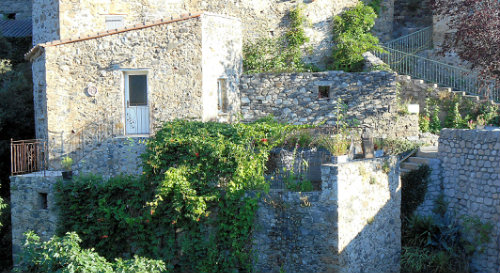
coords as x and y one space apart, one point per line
475 34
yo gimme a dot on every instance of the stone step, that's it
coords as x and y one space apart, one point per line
410 166
419 160
428 152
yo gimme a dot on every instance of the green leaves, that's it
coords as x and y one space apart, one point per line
283 54
352 37
189 208
63 254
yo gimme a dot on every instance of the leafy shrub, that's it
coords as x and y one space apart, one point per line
65 255
395 146
352 37
435 123
189 207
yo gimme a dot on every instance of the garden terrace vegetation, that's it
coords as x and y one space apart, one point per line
188 209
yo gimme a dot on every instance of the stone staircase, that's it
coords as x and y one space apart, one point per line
423 156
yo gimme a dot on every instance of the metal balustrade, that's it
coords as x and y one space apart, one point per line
414 42
400 55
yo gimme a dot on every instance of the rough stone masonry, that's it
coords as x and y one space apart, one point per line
310 98
351 226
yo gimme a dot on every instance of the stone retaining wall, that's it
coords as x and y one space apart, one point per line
470 160
352 225
371 98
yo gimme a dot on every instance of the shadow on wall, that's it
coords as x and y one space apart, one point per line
352 225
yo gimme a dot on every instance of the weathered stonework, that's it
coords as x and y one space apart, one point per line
371 99
22 8
471 179
352 225
114 156
33 207
183 61
64 19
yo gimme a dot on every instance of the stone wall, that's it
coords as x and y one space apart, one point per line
22 8
46 24
33 207
471 179
114 156
260 18
352 225
371 99
170 53
222 59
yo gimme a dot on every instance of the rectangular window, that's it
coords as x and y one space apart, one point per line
223 102
323 92
43 200
138 88
114 22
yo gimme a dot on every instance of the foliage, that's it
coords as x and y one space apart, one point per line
395 146
337 144
476 36
435 123
375 5
454 118
65 255
424 123
413 189
352 37
66 163
16 121
283 54
442 245
189 207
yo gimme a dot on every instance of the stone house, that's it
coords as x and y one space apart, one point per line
128 81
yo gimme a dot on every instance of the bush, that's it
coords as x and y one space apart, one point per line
352 37
189 208
65 255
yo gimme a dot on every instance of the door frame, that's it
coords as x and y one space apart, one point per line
125 92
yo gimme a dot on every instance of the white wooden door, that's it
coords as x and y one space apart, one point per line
136 104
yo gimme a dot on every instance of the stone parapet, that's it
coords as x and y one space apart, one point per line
352 225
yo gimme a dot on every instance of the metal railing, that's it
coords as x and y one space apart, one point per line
400 56
28 156
414 42
443 74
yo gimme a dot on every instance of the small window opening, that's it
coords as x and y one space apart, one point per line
43 201
114 22
11 16
222 104
324 92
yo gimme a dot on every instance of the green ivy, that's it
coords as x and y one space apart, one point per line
189 208
352 37
283 54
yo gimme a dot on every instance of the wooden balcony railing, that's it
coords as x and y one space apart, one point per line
27 156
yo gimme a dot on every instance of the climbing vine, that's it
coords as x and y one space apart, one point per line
189 208
283 54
